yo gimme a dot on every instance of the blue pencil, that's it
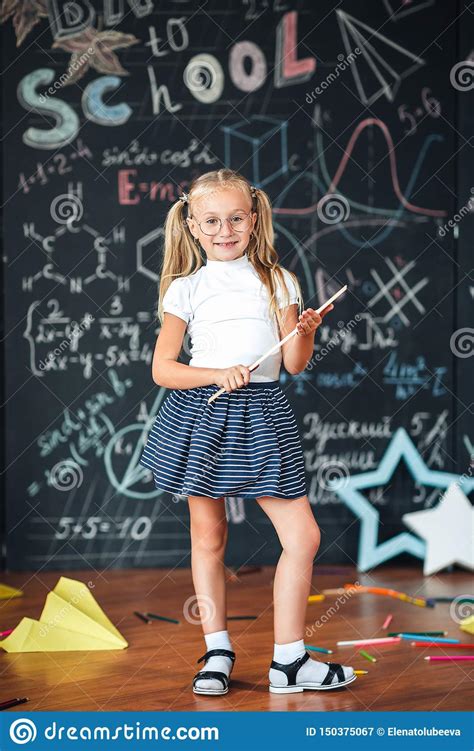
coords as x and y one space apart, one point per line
432 639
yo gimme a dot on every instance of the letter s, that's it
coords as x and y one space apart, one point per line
67 122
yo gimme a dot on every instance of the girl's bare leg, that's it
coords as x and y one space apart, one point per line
300 536
208 542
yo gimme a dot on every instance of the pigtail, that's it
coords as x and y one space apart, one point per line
181 255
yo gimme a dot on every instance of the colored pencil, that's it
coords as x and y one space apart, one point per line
319 649
161 618
447 658
367 656
241 617
460 599
383 640
12 703
441 644
387 621
360 672
5 633
389 592
141 616
440 639
419 633
316 598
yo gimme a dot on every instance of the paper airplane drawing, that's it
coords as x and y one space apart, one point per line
403 8
6 592
386 63
71 620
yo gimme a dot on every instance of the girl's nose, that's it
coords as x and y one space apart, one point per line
226 228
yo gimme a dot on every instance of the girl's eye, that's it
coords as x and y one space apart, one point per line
236 219
209 221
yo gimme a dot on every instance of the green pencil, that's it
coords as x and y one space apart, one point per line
318 649
161 618
367 656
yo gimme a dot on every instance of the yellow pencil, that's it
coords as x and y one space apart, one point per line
316 598
360 672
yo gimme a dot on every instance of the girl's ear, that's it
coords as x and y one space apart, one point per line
190 223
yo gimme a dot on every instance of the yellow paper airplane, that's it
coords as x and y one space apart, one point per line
467 624
7 592
71 620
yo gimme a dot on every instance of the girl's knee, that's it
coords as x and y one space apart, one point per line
306 545
210 540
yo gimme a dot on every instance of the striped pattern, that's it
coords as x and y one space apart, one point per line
245 443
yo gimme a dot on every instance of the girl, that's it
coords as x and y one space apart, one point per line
234 308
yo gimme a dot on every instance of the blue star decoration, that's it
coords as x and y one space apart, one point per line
371 554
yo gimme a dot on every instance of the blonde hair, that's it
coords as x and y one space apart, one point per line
182 255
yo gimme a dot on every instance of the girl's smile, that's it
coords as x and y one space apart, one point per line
227 244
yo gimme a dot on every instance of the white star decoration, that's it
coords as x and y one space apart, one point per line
448 530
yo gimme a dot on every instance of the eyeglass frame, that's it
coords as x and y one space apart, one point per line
251 211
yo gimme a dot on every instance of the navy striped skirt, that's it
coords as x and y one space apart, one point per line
244 443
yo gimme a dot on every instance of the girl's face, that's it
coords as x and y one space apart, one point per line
237 222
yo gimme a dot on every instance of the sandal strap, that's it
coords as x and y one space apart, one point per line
211 674
334 669
290 669
223 652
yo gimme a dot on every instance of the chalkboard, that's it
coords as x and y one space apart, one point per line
348 116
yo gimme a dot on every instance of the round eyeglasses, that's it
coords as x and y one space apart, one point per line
239 221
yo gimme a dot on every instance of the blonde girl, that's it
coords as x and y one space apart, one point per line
224 295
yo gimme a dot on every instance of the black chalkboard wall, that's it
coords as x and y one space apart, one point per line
110 110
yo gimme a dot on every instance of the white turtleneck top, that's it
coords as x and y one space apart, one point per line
225 306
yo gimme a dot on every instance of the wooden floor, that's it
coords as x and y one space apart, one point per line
155 672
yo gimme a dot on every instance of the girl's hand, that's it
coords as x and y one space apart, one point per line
309 320
233 378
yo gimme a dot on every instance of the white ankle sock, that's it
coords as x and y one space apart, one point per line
289 652
216 640
313 671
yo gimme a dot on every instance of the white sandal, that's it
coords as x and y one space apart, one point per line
292 668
